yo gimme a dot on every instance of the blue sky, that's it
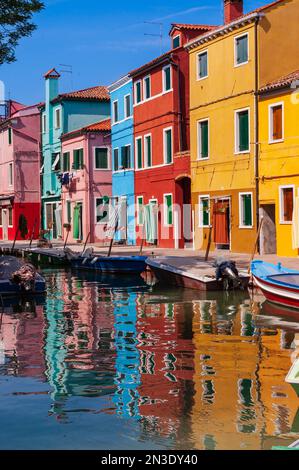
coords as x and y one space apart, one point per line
101 40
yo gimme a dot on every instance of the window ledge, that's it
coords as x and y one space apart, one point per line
278 141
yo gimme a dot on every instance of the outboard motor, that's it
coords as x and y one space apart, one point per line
227 272
25 276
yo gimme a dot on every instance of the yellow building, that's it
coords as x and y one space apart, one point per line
227 68
279 168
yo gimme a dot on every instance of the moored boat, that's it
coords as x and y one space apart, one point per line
110 264
279 285
19 278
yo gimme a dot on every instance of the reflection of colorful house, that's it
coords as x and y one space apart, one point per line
279 152
122 137
161 133
86 180
19 171
224 116
61 114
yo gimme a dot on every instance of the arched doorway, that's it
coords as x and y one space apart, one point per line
184 234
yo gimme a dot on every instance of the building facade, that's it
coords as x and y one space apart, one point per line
161 134
61 114
224 117
122 138
86 181
19 173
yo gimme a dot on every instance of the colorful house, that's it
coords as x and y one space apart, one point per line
278 167
224 117
122 137
19 172
86 181
61 114
161 133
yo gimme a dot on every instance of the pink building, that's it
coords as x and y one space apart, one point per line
86 180
20 171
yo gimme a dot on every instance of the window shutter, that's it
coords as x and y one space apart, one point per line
203 65
138 92
167 75
168 146
204 126
102 158
243 131
139 153
205 212
242 50
247 210
81 159
288 203
168 200
149 151
277 122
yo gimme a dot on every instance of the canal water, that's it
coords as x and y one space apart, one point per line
112 363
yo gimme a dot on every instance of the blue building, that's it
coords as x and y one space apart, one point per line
122 137
61 114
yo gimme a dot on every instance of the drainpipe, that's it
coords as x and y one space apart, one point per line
256 137
180 117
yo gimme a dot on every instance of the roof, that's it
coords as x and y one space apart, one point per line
153 62
202 27
250 16
283 82
96 93
101 126
52 73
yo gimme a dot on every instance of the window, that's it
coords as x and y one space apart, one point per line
128 112
138 95
245 210
66 166
56 164
126 157
101 158
102 210
147 87
202 65
167 78
44 123
167 145
10 221
286 200
148 150
242 131
9 136
276 123
241 50
140 209
139 152
115 159
204 211
57 118
78 161
176 42
115 111
10 174
168 209
203 139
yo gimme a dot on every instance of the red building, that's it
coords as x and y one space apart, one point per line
162 143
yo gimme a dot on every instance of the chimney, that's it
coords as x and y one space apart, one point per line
233 9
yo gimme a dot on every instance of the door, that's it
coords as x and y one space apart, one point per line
80 206
221 224
268 244
5 224
51 220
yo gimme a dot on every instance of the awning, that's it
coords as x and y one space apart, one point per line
56 161
6 201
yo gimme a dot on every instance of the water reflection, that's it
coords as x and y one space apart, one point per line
106 362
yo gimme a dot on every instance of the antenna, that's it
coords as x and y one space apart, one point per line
160 35
68 69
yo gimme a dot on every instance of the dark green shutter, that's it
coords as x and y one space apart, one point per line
102 158
204 127
69 211
176 42
205 212
66 161
168 146
247 212
81 162
167 73
9 136
242 49
243 131
138 92
115 158
169 209
149 151
203 65
139 153
147 88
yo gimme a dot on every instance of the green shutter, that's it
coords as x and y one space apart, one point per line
176 42
243 131
247 210
76 222
203 65
101 158
147 87
66 161
115 158
149 151
168 201
9 136
205 212
139 153
140 210
204 129
167 77
138 92
242 49
168 146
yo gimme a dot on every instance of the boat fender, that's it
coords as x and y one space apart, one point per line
94 260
